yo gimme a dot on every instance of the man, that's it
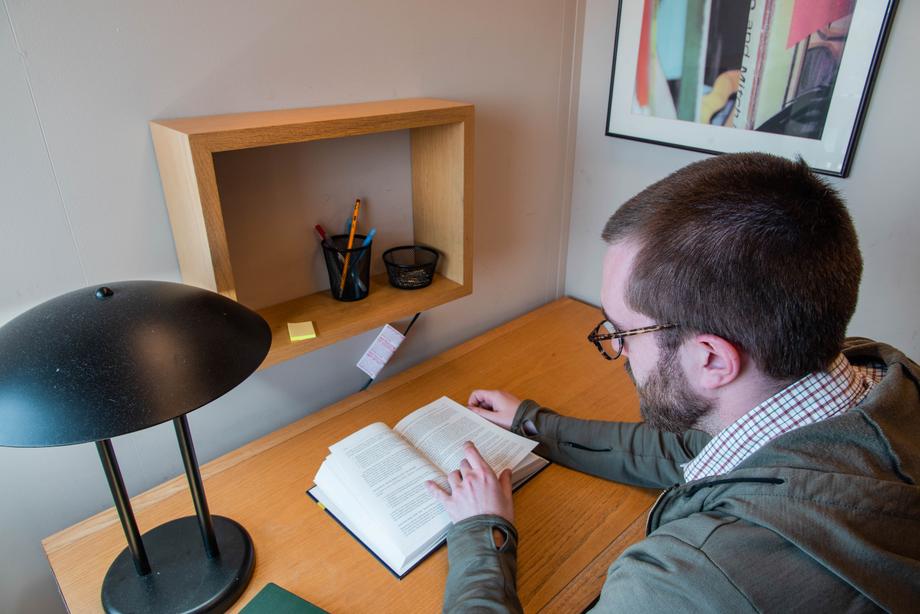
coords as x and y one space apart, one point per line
790 456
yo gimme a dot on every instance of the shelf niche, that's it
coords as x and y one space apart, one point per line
441 154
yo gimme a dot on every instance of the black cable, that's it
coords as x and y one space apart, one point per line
405 333
414 318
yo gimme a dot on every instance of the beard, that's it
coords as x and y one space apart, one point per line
666 401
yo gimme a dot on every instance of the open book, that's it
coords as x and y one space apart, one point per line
373 482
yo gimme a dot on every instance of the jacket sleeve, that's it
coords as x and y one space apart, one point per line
627 452
663 573
481 577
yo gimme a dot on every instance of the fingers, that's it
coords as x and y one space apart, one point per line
436 491
454 479
505 480
472 491
481 411
480 399
474 458
489 414
496 406
465 468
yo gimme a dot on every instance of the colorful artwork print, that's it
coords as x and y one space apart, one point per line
788 77
767 65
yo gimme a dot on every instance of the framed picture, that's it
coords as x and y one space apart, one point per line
788 77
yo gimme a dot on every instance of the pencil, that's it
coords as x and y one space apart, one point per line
351 242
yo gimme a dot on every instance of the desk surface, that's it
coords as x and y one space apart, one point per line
571 525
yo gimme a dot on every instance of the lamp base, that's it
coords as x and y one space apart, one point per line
183 579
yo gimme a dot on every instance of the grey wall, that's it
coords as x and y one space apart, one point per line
82 204
881 190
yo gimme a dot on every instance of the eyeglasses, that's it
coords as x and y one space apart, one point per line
610 343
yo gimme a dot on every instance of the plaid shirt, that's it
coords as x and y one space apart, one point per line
813 398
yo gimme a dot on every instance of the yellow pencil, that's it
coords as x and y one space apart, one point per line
351 242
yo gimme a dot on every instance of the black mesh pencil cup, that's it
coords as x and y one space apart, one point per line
410 266
358 262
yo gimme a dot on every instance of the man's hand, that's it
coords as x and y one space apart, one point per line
475 490
495 406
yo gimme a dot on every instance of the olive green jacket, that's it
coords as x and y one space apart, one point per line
824 518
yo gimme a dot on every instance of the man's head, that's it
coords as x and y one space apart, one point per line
750 254
667 401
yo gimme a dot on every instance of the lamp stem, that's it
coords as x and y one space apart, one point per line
194 482
123 505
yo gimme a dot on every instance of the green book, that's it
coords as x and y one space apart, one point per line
275 600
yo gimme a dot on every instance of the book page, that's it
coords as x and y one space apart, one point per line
440 429
336 497
388 476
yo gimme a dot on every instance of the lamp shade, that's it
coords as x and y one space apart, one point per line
104 361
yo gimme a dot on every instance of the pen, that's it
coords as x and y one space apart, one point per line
355 270
354 267
322 233
351 242
324 239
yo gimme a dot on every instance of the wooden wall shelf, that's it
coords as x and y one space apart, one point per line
441 141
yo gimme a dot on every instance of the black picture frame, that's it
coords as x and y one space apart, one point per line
794 96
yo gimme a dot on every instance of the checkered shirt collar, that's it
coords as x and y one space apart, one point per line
813 398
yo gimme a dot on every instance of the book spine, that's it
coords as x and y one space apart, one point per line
752 61
688 100
776 66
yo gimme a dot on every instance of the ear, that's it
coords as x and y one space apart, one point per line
713 361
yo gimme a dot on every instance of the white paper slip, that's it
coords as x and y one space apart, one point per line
381 350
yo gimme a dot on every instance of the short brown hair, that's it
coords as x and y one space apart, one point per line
751 247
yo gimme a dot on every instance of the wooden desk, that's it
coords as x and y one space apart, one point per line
571 525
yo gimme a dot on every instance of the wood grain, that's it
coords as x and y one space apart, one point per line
186 215
252 128
580 592
438 208
570 524
335 320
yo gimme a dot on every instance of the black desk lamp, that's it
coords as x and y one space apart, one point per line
101 362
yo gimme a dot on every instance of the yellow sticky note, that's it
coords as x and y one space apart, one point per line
300 331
